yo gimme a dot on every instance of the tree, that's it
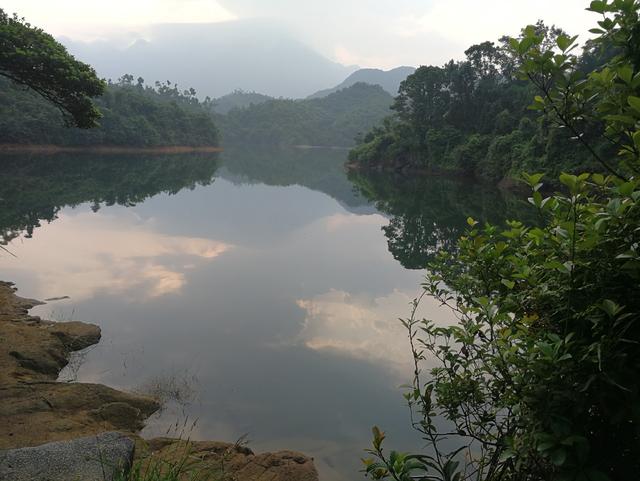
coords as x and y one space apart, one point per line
485 59
31 57
422 100
538 378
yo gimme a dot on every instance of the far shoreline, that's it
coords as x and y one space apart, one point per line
104 149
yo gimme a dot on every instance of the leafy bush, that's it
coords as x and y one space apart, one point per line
538 378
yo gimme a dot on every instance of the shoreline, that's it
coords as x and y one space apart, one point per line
36 408
104 149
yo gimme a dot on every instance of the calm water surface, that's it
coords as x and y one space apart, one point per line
261 288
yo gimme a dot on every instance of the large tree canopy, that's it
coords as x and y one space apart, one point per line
32 57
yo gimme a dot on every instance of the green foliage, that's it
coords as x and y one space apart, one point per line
29 56
538 378
574 99
238 99
178 467
465 116
133 114
335 120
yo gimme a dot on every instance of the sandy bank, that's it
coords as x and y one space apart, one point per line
102 149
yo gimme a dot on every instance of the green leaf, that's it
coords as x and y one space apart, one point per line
508 283
564 42
558 457
634 102
610 307
625 119
595 475
545 446
625 73
569 180
626 189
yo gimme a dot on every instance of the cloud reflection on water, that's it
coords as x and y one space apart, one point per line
87 254
365 327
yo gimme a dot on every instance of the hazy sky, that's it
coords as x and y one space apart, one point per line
371 33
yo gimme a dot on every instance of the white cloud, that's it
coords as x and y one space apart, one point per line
470 21
376 33
96 19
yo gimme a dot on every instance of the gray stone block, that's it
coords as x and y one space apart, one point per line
92 458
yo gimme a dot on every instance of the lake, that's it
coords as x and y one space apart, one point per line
258 291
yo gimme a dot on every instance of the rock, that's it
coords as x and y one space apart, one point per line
121 415
31 414
75 335
208 459
33 349
92 458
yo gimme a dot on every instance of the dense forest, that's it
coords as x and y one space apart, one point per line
139 115
133 114
238 99
473 117
334 120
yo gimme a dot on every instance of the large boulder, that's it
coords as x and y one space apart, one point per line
92 458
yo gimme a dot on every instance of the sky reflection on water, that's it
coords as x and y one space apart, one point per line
276 305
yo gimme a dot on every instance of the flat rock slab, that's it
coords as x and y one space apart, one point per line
92 458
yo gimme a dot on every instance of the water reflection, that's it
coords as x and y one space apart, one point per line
428 214
273 286
317 169
357 325
88 255
33 188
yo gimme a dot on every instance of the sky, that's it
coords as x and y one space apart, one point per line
368 33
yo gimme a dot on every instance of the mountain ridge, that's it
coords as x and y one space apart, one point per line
389 80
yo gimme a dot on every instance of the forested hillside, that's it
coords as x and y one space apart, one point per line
473 117
335 120
133 114
238 99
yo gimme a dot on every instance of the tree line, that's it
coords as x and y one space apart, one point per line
473 117
131 113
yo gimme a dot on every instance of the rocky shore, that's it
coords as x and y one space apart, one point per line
36 409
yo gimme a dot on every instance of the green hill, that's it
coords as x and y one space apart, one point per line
238 99
134 114
335 120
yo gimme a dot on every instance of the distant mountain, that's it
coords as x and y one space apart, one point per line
218 58
387 79
238 99
334 120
